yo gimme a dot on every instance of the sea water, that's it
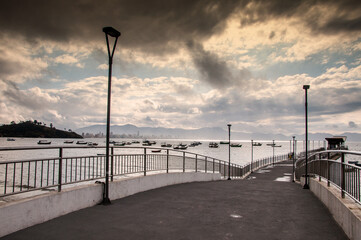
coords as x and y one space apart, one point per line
238 155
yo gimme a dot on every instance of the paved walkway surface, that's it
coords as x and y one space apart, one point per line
265 206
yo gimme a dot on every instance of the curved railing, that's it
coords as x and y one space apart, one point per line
345 176
18 176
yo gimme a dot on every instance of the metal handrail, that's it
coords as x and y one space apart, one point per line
18 176
342 175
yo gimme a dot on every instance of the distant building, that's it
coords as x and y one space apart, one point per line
336 143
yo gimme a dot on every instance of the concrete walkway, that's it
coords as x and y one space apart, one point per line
265 206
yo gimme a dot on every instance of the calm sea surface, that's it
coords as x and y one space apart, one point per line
241 155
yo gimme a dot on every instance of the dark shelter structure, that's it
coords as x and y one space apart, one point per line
336 143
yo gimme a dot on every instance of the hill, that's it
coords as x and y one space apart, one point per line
34 130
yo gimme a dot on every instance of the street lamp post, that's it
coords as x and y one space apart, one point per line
293 159
229 151
273 152
252 156
306 87
109 31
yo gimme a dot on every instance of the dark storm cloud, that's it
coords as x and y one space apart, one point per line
215 70
157 26
161 26
347 17
153 26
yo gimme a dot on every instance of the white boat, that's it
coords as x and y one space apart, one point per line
44 142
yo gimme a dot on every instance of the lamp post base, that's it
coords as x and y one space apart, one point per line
229 178
106 201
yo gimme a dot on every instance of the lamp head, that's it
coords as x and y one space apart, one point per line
111 32
229 125
306 87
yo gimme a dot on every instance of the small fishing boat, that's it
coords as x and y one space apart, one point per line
81 142
44 142
92 144
119 144
68 141
135 142
168 145
236 145
213 145
257 144
156 150
223 142
10 139
181 146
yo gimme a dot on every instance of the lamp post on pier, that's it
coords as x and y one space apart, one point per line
293 159
252 156
273 152
229 151
306 87
109 31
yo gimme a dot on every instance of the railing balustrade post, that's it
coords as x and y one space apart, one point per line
111 163
213 165
319 167
60 168
167 160
342 175
205 164
196 162
328 169
184 161
145 162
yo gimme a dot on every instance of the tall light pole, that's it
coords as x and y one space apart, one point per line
293 159
273 152
252 156
109 31
306 87
229 151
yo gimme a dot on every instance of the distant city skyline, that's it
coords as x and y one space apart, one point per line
184 64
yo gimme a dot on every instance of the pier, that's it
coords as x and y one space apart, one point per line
266 205
261 201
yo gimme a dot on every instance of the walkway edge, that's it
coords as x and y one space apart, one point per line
345 211
27 212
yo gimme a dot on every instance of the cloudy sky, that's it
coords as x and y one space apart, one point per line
186 64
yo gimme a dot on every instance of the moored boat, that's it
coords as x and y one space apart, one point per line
257 144
166 145
119 144
181 146
213 145
236 145
81 142
92 144
10 139
44 142
68 141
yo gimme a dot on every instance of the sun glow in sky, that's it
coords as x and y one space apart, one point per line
184 64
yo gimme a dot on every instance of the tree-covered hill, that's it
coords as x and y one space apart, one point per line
34 130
